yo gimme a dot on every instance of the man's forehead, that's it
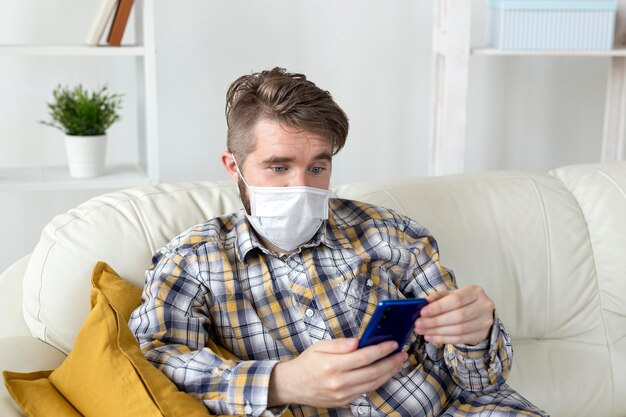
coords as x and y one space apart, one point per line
280 140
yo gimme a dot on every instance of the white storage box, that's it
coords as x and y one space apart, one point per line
551 24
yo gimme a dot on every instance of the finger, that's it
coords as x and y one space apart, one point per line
452 300
355 359
368 355
342 345
370 378
431 298
462 315
469 327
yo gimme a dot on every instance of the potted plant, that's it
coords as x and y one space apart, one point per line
84 117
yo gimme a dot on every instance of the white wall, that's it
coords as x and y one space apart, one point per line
374 57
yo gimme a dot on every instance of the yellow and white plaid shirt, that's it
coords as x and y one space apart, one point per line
215 290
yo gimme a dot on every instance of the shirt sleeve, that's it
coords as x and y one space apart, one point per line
480 368
483 367
172 328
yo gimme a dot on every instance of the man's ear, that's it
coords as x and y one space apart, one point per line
228 161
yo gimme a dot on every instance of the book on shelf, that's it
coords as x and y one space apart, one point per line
119 22
107 7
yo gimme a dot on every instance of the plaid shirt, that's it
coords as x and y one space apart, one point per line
215 290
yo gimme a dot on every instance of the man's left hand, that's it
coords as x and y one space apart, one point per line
462 316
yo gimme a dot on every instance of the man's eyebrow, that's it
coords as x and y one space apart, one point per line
323 155
277 160
274 159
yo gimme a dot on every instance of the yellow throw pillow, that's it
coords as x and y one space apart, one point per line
106 373
37 396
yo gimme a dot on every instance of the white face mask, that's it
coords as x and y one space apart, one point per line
287 216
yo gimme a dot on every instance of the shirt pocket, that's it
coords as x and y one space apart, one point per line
363 292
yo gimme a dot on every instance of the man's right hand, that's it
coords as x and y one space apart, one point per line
333 373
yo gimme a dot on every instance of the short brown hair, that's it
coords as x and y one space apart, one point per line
285 97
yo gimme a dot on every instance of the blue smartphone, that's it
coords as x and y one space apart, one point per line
392 320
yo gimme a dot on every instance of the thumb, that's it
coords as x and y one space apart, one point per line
343 345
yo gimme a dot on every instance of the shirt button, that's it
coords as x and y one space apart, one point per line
361 410
248 409
309 312
369 283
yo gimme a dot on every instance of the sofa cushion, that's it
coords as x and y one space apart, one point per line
600 191
105 373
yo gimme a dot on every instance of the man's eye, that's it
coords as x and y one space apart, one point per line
317 170
278 169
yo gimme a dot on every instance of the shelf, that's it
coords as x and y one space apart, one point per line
70 50
452 50
145 169
617 52
55 178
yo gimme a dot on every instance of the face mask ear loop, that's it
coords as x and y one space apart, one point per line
239 172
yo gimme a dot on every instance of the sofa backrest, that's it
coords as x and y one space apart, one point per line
124 229
548 249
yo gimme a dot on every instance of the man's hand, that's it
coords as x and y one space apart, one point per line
463 316
332 373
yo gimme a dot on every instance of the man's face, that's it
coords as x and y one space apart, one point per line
285 156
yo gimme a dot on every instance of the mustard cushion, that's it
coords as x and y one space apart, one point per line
106 373
37 396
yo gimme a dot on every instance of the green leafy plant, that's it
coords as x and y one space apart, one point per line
78 112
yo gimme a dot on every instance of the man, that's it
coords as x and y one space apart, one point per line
288 283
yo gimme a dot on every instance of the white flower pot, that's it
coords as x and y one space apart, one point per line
85 155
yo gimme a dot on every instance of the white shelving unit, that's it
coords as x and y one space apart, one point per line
58 178
70 50
451 55
145 170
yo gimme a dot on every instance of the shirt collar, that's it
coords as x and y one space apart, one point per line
245 238
332 234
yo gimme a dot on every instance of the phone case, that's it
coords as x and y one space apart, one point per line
392 320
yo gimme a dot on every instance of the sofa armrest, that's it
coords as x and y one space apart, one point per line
12 323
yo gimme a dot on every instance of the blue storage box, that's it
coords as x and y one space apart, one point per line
551 24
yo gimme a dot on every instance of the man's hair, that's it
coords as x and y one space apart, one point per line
284 97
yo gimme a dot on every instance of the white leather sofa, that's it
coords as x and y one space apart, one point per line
549 249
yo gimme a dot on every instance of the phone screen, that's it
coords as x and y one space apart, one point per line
392 320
